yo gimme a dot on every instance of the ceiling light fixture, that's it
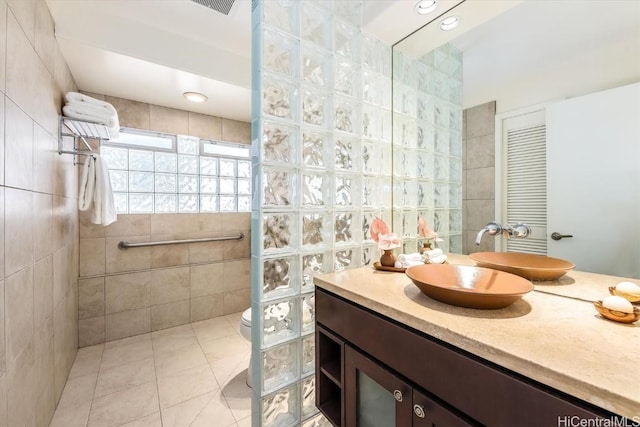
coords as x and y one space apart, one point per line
195 96
449 23
426 6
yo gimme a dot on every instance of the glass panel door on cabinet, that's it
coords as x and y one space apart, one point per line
375 397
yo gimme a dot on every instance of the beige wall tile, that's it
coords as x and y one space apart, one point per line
204 126
45 41
44 161
91 300
3 387
129 225
237 275
481 151
481 183
2 110
2 235
28 82
44 368
43 225
42 291
488 244
91 331
479 213
62 75
169 255
206 279
236 249
206 252
92 257
236 221
62 276
25 13
236 301
128 323
206 307
165 316
236 131
21 389
3 353
18 230
119 260
170 285
480 120
131 114
170 120
18 149
3 52
89 229
124 292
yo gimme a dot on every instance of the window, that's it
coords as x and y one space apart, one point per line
161 173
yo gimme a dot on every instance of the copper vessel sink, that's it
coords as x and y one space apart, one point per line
532 267
469 286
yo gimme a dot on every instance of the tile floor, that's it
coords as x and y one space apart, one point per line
191 375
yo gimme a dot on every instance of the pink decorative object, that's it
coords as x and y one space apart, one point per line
378 227
388 241
423 229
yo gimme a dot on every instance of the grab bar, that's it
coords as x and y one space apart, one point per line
127 245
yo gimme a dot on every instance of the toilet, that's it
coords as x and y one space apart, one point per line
245 331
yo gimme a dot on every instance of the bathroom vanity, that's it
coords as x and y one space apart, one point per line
387 353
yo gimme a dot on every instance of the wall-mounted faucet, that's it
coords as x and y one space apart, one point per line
518 230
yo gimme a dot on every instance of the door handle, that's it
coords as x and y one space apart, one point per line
557 236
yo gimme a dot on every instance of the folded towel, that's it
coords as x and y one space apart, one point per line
433 253
95 188
438 259
89 113
407 264
410 257
84 107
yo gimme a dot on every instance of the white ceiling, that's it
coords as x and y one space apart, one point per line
154 50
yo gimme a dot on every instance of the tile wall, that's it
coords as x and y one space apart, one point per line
38 219
479 175
129 292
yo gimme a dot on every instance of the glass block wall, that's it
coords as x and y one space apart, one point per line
427 141
322 167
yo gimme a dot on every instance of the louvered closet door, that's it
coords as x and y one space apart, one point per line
525 179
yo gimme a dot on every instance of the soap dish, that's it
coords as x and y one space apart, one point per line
617 316
635 299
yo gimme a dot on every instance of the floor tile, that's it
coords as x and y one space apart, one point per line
217 349
212 329
124 406
125 376
72 416
196 373
185 385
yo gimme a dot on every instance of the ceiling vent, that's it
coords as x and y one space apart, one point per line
222 6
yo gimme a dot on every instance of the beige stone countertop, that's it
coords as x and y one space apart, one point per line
559 341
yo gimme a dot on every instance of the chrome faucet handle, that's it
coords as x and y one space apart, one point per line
493 228
520 230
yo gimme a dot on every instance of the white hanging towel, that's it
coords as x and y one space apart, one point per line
95 188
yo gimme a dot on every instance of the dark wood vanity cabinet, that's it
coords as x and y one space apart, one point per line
373 371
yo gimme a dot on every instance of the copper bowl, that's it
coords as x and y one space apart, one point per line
469 286
617 316
529 266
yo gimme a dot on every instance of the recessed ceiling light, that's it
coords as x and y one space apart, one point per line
195 96
449 23
425 6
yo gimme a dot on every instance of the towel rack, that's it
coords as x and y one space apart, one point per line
127 245
79 130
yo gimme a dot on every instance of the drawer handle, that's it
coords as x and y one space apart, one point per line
398 395
419 410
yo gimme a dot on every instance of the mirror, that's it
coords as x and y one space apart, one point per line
523 54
